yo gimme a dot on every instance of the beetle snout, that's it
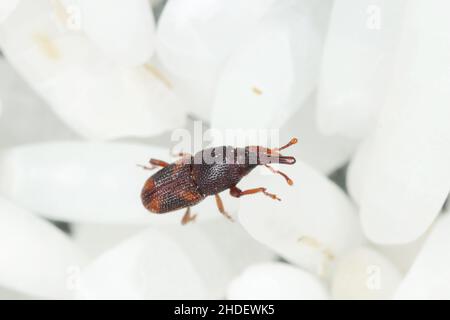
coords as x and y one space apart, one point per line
286 160
278 158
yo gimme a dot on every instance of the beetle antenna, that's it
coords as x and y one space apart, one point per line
288 180
290 143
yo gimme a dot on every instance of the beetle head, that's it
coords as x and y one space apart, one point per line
262 156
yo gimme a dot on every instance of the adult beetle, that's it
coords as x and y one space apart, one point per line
191 179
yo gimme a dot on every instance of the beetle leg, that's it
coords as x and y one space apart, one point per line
188 217
154 164
184 157
221 207
236 192
180 154
288 180
158 163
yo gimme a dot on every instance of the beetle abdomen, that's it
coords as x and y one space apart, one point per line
171 188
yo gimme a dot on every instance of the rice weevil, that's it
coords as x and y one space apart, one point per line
191 179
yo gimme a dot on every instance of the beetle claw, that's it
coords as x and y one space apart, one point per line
228 216
273 196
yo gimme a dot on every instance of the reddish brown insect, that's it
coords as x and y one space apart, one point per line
191 179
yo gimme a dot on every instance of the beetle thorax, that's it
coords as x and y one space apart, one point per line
217 169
